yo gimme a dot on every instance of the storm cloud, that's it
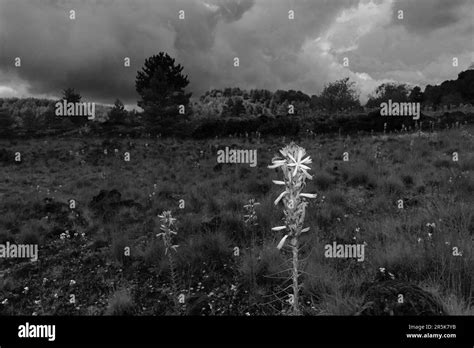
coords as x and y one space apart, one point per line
274 52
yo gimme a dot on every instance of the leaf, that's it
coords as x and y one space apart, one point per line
280 197
282 241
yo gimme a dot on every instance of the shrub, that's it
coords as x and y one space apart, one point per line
121 303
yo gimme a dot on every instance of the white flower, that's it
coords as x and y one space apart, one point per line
299 163
5 301
72 282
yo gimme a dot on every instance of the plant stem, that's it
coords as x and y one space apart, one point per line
173 281
294 247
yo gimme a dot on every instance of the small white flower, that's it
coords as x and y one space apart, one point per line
72 282
5 301
382 269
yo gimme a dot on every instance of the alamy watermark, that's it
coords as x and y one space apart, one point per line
345 251
237 156
400 109
23 251
65 108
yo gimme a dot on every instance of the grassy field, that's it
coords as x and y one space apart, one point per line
84 251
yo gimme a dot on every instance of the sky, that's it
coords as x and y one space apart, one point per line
305 53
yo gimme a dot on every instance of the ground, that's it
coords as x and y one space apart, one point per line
83 251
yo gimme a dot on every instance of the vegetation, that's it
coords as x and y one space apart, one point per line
118 203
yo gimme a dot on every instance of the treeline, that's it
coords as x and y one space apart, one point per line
339 96
451 93
170 111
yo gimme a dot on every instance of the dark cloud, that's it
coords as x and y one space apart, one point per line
424 16
274 52
88 53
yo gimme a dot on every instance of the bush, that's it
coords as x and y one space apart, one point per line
121 303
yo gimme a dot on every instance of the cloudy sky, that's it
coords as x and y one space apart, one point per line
274 52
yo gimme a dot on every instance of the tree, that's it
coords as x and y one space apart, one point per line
238 107
6 121
465 84
282 109
161 85
338 95
416 95
71 96
118 113
432 95
452 99
395 92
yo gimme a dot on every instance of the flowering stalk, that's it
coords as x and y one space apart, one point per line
167 223
250 220
294 168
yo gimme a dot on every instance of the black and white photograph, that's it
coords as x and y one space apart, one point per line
237 160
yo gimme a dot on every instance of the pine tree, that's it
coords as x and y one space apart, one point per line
161 85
